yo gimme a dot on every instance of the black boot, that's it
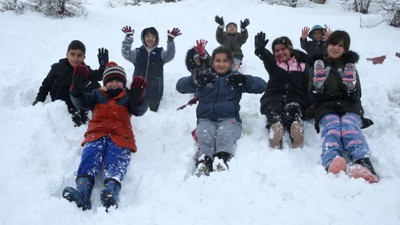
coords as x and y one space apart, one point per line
363 168
80 195
204 166
109 193
221 160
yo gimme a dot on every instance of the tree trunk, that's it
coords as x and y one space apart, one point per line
396 19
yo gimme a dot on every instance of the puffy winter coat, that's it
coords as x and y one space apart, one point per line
285 85
149 62
313 47
334 97
59 79
110 117
232 41
220 100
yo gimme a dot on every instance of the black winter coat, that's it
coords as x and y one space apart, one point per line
59 79
334 97
284 86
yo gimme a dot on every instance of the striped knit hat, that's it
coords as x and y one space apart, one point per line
114 72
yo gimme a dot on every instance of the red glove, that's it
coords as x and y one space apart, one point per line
128 30
173 34
137 90
79 76
201 47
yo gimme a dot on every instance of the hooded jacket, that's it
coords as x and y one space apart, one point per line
232 41
149 61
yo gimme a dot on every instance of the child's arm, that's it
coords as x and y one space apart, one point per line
266 56
169 54
137 105
46 86
80 98
186 85
244 34
126 51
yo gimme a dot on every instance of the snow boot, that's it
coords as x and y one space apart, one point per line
203 166
80 195
221 160
362 168
275 135
338 164
297 134
109 193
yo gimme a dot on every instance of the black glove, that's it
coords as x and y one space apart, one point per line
236 79
205 77
79 77
219 20
259 40
137 90
35 102
244 24
103 57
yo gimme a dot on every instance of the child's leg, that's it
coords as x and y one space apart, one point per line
353 139
154 103
331 138
294 124
206 132
228 131
274 113
92 158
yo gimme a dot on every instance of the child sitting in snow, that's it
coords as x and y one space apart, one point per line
231 38
197 58
59 78
339 115
149 60
218 121
317 44
109 139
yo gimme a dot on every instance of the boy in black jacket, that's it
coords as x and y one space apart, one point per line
59 78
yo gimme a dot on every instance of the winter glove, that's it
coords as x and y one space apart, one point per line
320 74
79 77
236 79
349 76
259 40
244 24
205 77
128 31
173 34
137 90
201 47
103 58
219 20
35 102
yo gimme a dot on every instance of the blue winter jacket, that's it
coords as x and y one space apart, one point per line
220 100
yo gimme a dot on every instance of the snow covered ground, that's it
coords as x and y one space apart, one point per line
40 147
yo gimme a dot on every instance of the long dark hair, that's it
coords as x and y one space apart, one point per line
339 36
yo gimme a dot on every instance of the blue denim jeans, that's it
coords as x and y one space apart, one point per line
104 152
340 132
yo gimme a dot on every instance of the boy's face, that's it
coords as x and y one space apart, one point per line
75 57
221 63
281 52
150 40
335 51
317 35
114 84
231 29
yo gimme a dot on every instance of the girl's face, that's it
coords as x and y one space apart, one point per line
75 57
282 53
231 29
317 35
221 64
335 51
150 40
114 84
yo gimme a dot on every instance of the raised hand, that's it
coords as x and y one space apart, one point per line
138 87
259 40
103 57
205 77
79 77
201 47
320 74
304 32
173 34
244 24
219 20
128 31
349 76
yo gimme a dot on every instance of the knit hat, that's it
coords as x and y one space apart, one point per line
314 28
75 44
231 23
282 40
114 72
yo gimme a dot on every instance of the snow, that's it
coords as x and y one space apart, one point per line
40 147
